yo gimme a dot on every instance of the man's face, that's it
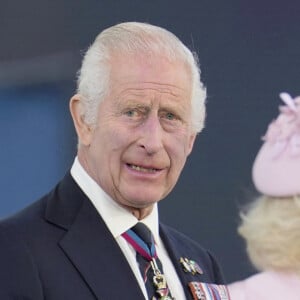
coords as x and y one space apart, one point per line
143 135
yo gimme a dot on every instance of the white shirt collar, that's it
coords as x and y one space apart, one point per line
117 218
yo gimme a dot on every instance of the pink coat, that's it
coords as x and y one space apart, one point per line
267 286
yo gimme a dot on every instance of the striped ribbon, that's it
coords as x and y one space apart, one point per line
139 245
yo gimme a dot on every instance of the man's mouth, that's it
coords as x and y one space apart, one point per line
142 169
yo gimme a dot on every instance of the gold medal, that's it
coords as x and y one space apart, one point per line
160 283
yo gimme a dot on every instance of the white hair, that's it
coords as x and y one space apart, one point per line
129 38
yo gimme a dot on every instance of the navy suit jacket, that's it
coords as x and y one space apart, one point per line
59 248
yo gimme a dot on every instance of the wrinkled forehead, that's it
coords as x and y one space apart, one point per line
136 78
153 68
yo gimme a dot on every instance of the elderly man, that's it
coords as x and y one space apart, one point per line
97 235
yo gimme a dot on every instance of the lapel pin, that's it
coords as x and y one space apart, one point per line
190 266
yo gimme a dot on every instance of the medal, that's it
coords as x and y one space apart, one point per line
190 266
206 291
160 283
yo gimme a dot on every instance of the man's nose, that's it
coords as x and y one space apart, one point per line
151 135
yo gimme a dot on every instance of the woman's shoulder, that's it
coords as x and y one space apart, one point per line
266 285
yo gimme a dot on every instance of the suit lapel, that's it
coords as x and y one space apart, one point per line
90 246
176 250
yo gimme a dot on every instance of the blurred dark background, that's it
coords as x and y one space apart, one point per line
249 52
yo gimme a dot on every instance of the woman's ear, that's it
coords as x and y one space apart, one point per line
84 131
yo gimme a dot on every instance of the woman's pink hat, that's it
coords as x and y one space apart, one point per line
276 169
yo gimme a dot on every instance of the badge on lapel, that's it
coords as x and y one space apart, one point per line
190 266
208 291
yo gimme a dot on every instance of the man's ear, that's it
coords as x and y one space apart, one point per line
191 143
84 131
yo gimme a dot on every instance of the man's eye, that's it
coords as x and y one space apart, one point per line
170 116
130 113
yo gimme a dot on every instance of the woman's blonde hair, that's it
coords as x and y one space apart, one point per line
271 228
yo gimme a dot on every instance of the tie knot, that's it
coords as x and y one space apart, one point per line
144 233
141 239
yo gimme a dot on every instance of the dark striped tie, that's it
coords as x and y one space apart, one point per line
141 238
